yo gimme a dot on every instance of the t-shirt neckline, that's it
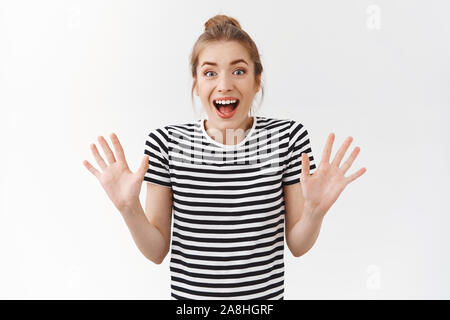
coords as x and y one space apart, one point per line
225 146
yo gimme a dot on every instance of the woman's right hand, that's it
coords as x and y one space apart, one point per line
121 185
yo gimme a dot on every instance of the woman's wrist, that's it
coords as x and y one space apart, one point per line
310 212
133 208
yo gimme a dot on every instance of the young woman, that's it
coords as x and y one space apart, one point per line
237 185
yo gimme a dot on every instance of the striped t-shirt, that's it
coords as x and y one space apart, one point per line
228 206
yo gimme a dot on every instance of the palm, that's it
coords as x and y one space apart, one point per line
321 189
120 184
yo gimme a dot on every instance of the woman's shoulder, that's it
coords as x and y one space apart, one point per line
282 127
272 122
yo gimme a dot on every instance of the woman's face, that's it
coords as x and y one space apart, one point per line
225 72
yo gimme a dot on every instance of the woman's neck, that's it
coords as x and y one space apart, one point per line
229 136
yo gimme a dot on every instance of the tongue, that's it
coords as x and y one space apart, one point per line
226 109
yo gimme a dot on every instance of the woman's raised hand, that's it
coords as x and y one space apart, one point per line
322 188
121 185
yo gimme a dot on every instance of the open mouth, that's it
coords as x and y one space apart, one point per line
226 107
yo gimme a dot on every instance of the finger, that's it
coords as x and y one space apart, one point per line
327 148
143 167
98 157
341 152
91 169
347 164
356 175
106 150
118 148
305 167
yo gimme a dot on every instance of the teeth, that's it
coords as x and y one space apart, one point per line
225 101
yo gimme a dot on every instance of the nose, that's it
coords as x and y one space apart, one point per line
225 83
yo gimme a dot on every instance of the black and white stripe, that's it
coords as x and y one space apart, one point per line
228 206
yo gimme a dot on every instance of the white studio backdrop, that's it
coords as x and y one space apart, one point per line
378 71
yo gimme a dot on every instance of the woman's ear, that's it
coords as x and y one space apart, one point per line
195 87
258 83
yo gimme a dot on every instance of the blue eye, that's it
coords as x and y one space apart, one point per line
207 72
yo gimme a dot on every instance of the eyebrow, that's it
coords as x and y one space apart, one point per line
231 63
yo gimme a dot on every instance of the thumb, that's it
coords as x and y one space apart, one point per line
143 167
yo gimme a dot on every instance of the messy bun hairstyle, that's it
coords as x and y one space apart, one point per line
225 28
221 19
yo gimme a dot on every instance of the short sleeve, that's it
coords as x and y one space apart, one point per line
156 147
298 143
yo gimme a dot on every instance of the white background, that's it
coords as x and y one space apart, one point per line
378 71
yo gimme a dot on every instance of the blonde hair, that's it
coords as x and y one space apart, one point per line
225 28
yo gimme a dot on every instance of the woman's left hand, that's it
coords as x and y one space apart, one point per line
321 189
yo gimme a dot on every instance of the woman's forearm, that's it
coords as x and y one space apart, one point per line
147 237
304 233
